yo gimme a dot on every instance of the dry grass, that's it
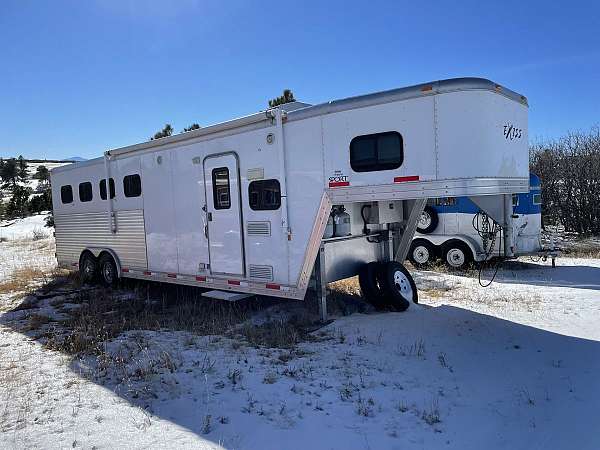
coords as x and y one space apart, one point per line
105 314
583 252
278 333
22 279
36 321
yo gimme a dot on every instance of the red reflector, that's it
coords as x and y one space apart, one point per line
172 275
74 264
125 270
234 282
147 273
404 179
426 88
272 286
339 183
200 278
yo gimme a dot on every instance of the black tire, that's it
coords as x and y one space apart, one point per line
367 279
457 255
421 253
108 270
88 268
399 287
428 221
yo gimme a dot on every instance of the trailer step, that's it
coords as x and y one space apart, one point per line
226 295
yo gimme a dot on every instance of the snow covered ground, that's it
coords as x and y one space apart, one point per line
512 366
26 244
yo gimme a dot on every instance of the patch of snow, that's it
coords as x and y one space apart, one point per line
22 229
511 366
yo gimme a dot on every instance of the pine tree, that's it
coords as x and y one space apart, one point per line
193 126
18 205
287 97
165 132
9 173
22 174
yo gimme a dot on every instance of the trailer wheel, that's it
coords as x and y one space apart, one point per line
457 255
421 253
108 270
398 285
88 267
367 279
428 220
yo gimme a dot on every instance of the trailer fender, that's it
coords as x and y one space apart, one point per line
98 251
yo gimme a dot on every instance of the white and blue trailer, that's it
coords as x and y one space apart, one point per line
456 230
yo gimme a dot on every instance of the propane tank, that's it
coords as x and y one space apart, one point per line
328 228
341 221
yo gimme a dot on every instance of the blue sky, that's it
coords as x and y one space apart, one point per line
80 77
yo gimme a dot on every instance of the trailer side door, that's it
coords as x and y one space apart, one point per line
223 210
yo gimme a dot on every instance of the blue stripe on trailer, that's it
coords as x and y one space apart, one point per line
528 203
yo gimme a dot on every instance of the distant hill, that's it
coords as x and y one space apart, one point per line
76 159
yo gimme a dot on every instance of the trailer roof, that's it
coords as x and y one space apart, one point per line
298 111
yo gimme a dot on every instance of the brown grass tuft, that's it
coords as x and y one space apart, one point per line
21 280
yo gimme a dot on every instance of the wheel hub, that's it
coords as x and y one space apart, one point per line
456 257
421 254
424 220
403 285
108 273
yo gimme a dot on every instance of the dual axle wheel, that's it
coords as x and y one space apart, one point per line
455 254
388 285
104 268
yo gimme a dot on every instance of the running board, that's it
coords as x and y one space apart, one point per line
227 296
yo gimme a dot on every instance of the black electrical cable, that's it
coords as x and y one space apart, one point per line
362 214
484 234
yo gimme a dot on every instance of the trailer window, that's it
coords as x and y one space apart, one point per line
85 192
264 195
374 152
111 186
66 194
515 199
132 185
221 191
445 201
537 199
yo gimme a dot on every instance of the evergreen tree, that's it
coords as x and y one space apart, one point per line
18 205
287 97
193 126
9 173
42 174
22 174
165 132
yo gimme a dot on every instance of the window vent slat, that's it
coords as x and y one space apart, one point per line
259 228
261 272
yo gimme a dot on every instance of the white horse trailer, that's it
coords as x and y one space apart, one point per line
244 206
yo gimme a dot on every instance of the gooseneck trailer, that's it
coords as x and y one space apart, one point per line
258 204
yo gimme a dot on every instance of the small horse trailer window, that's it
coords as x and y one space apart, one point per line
111 186
132 185
374 152
66 194
264 195
537 199
221 194
85 192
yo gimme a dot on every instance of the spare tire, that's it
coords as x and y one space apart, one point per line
398 285
367 279
428 220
